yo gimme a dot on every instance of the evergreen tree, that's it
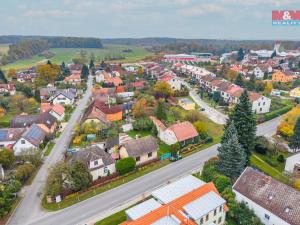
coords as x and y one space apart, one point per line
49 62
2 77
91 64
37 95
240 55
294 142
273 54
160 112
251 83
239 80
245 124
63 66
84 72
232 158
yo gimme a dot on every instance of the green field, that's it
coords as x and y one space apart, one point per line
67 54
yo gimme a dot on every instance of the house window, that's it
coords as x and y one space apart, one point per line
260 109
22 142
267 217
264 103
138 158
215 212
96 163
220 220
258 104
220 209
149 154
201 221
207 217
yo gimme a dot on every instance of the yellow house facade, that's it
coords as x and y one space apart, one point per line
295 92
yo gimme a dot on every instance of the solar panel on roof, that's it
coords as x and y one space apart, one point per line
3 134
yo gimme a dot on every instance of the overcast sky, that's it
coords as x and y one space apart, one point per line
220 19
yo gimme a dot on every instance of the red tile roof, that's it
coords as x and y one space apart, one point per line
59 109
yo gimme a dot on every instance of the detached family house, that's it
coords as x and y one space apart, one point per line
272 201
31 139
143 150
184 132
58 111
7 89
9 136
282 77
45 121
98 162
63 98
99 112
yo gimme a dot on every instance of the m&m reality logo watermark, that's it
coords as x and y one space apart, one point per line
286 17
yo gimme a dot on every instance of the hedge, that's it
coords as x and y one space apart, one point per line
278 112
125 165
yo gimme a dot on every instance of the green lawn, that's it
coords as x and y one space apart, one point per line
5 120
141 133
114 219
257 162
67 54
163 148
49 148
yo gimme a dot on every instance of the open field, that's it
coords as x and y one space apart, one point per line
67 54
3 49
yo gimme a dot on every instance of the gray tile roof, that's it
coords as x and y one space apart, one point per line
35 135
140 146
11 134
92 153
278 198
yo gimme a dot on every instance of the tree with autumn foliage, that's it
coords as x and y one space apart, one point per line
286 127
46 74
163 89
140 108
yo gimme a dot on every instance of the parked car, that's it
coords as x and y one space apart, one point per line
175 158
202 109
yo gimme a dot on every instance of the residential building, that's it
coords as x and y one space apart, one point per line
262 69
183 133
98 162
58 111
272 201
9 136
295 92
7 89
187 201
63 98
186 103
31 139
99 112
143 150
45 120
180 57
113 144
74 78
113 81
292 165
282 77
173 81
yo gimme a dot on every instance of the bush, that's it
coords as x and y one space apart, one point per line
24 171
278 112
210 171
271 163
222 182
208 140
125 165
143 124
281 159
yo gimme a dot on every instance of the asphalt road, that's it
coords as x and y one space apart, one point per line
30 206
84 211
210 112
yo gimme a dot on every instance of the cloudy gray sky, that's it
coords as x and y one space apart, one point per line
221 19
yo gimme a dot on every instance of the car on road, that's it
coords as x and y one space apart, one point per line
202 109
175 158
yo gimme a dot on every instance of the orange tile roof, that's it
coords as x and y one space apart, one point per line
175 208
184 131
45 106
115 80
58 108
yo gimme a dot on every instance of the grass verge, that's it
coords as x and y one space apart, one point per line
49 148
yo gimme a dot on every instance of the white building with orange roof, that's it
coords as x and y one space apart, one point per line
183 133
188 201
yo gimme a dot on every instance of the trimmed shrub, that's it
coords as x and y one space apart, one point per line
222 182
281 159
278 112
125 165
24 171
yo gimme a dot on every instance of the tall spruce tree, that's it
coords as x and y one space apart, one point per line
160 111
294 142
240 55
84 72
245 124
2 77
239 80
232 157
91 64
